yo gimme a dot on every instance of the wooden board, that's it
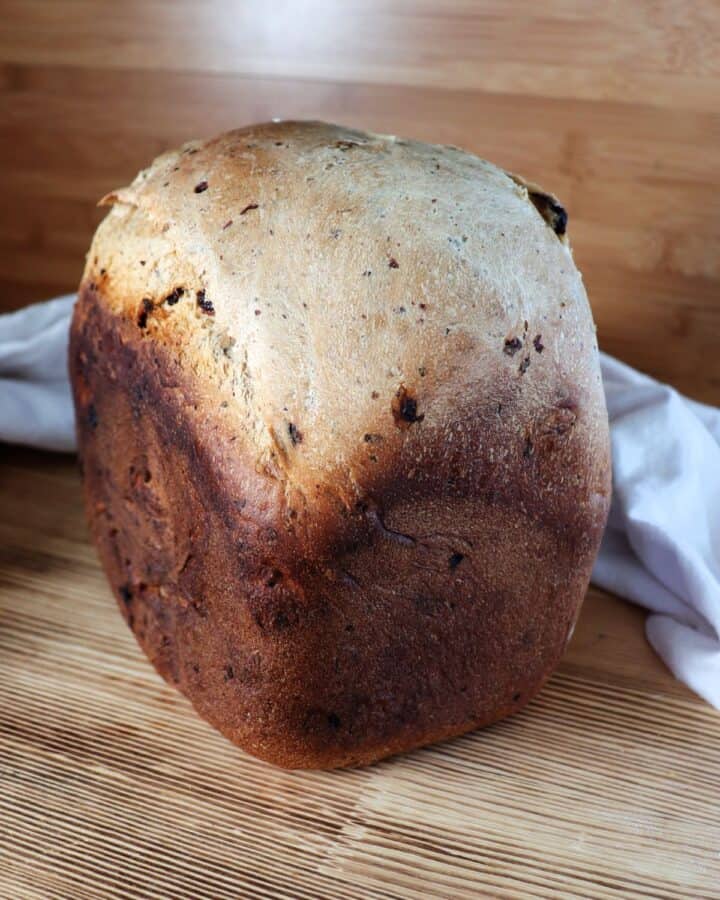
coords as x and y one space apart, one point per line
608 785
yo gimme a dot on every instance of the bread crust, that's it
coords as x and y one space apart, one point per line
344 441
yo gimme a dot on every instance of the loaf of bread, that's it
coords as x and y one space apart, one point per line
343 435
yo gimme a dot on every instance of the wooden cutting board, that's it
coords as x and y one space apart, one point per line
607 785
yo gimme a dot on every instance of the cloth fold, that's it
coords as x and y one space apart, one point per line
661 548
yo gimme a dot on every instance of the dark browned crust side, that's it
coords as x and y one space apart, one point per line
437 603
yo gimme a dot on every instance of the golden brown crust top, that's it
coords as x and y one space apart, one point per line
347 287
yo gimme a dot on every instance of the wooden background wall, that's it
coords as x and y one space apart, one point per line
615 106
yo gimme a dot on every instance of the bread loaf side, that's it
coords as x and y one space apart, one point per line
344 441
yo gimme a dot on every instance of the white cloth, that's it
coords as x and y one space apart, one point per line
35 402
662 546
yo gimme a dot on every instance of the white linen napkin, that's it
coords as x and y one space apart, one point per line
35 402
661 548
662 545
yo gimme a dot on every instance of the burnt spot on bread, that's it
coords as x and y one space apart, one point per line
146 307
455 560
393 263
345 145
554 214
227 224
91 417
173 297
333 720
228 673
371 438
548 206
374 395
248 208
204 305
405 408
296 436
524 365
125 593
200 187
516 696
512 345
538 344
529 448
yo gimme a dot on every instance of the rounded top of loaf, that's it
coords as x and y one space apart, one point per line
351 293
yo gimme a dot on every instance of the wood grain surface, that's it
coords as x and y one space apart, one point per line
608 784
